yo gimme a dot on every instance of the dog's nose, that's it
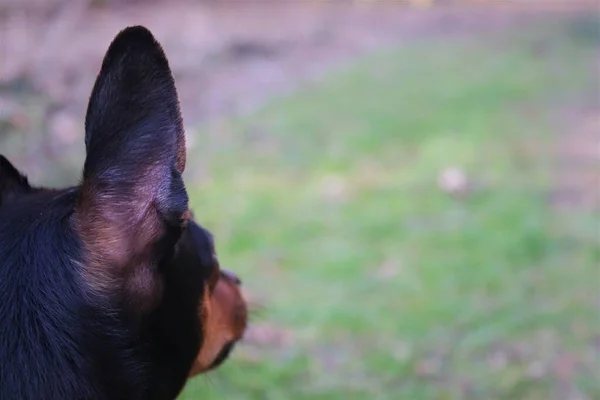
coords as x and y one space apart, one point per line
231 276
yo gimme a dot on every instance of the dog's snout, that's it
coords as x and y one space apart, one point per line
231 276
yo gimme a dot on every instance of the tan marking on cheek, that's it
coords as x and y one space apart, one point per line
215 332
224 317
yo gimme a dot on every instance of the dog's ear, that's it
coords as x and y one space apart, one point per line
12 182
132 201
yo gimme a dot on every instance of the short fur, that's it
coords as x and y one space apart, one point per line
102 285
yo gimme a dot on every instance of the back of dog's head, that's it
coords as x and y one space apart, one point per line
110 290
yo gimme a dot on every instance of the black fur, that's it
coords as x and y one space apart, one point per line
61 339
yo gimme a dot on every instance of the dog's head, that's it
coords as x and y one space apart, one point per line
125 236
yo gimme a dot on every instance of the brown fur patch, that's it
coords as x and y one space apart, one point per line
118 234
181 152
224 316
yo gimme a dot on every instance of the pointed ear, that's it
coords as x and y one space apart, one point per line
132 197
12 182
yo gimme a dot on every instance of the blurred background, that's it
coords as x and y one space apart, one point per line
409 190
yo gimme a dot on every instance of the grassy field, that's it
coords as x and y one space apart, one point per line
377 284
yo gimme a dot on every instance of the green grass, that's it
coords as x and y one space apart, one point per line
326 203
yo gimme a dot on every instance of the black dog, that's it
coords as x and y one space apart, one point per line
110 290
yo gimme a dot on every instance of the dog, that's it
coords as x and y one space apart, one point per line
110 289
